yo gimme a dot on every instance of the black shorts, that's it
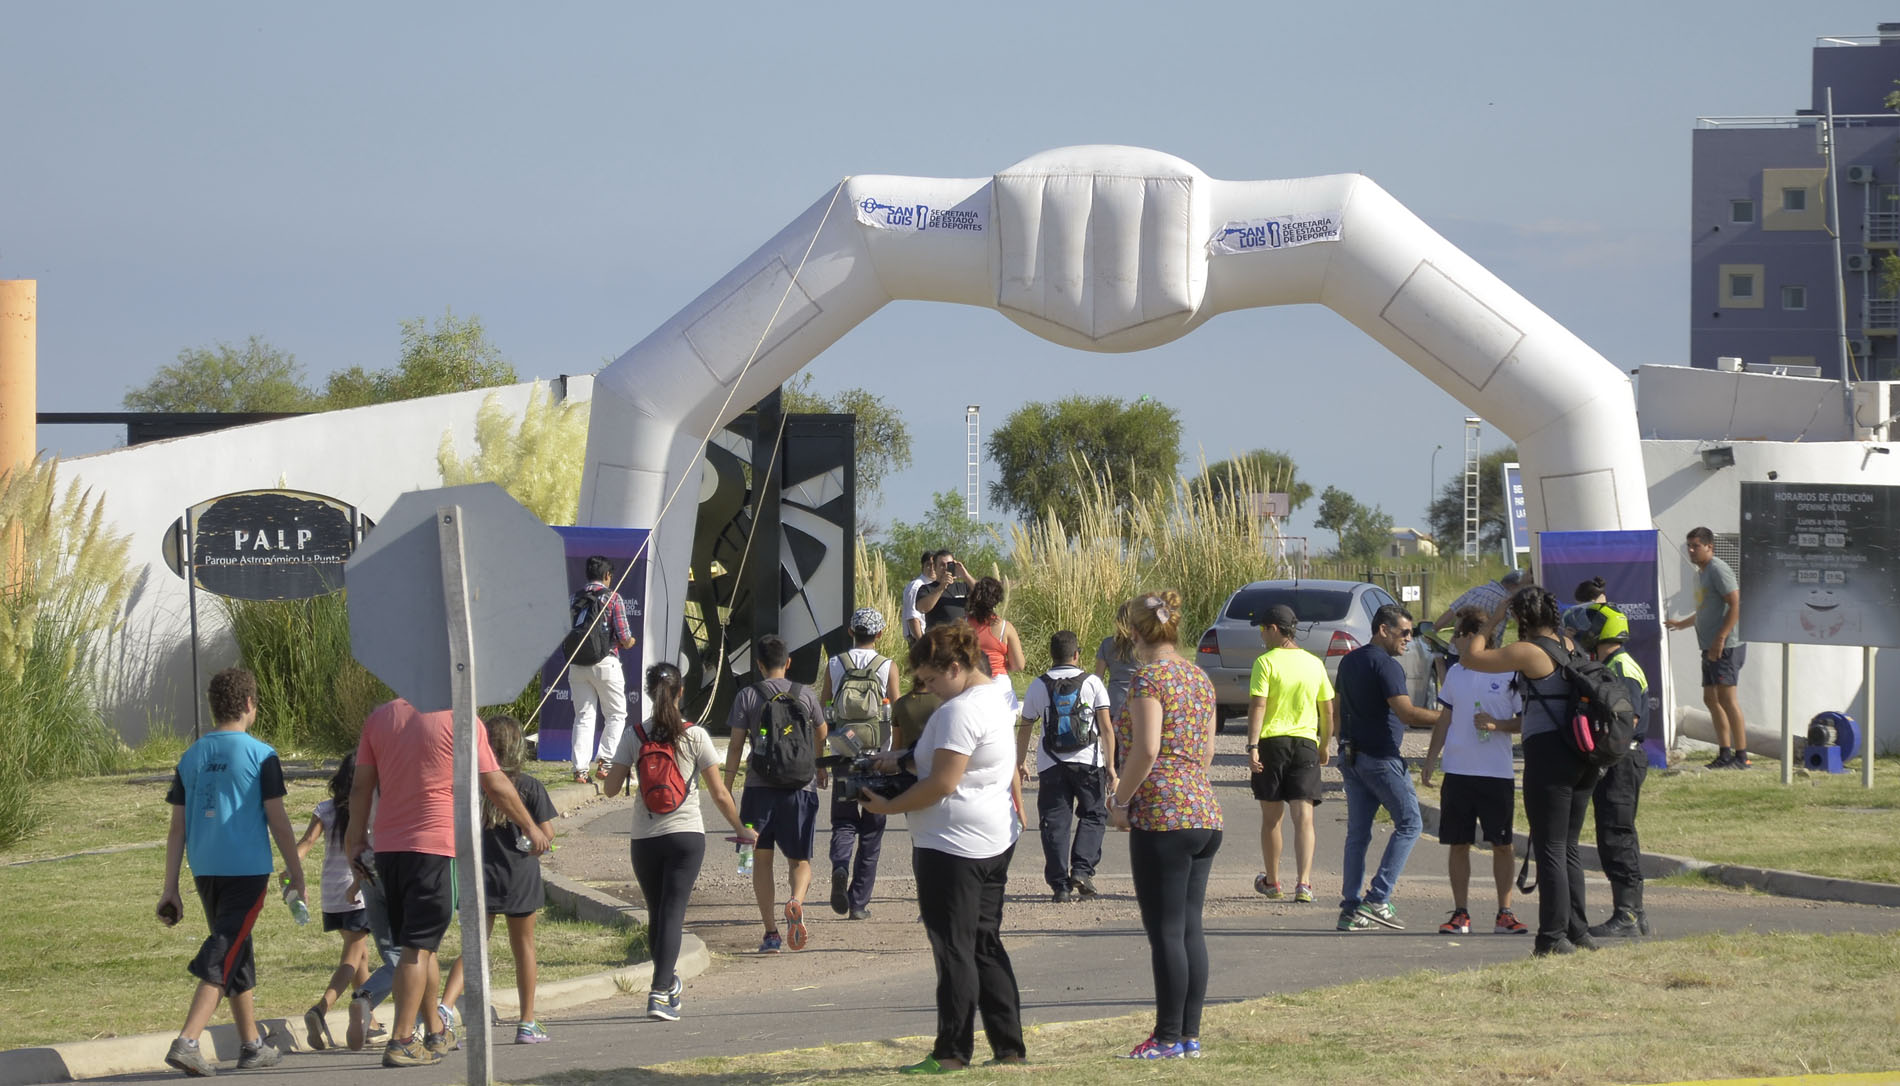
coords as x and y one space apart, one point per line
1467 803
353 920
1289 770
231 903
1726 670
419 888
786 818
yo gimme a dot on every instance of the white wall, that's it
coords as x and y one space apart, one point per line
366 457
1684 494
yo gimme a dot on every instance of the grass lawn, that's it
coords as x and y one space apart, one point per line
1823 824
1707 1007
85 957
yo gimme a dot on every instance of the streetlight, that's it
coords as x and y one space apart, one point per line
1432 495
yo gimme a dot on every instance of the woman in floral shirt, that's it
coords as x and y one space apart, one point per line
1166 733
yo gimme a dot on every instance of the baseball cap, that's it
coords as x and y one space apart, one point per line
1280 615
868 621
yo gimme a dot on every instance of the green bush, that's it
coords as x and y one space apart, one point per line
312 695
65 584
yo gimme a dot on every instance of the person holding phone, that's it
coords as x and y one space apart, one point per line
946 599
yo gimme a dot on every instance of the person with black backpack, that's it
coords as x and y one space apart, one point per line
859 688
783 725
598 629
1603 631
1073 761
1558 779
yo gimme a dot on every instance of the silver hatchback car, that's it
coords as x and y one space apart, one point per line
1335 617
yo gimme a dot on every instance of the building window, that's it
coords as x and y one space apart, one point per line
1741 211
1794 297
1741 286
1794 199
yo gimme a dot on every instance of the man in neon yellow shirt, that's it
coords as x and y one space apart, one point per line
1289 724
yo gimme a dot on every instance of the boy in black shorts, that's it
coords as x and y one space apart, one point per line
227 800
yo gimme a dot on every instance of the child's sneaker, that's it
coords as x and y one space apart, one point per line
795 933
1303 893
256 1054
530 1033
771 944
188 1057
1459 924
1270 890
1150 1050
316 1029
1190 1049
1509 924
409 1054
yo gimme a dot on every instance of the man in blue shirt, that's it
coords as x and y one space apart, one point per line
227 798
1374 711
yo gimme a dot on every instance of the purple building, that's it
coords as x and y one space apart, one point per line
1765 282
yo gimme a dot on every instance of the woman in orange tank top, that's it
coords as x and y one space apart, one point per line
994 633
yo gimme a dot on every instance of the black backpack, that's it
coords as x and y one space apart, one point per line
590 637
1069 725
783 741
1598 717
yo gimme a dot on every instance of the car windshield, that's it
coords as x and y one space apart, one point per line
1310 604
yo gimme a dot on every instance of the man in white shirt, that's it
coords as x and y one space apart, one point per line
1477 712
1073 761
908 616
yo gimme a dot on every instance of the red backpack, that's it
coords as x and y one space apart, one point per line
657 770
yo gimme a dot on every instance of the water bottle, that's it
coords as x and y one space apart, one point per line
299 911
745 856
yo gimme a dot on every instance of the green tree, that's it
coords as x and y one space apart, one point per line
1264 471
253 377
945 527
1044 453
1447 513
1363 530
883 441
1335 513
454 356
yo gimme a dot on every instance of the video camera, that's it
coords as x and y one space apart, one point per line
855 772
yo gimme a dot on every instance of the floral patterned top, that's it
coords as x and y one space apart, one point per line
1175 795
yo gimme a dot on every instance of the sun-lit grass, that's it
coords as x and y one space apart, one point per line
1706 1007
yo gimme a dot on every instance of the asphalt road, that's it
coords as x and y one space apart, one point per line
873 980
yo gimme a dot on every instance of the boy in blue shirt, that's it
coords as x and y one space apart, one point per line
227 798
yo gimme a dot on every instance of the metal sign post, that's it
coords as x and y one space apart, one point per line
478 1029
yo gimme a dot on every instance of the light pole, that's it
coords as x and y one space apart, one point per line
1432 495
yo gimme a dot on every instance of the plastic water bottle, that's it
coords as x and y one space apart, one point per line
299 911
745 856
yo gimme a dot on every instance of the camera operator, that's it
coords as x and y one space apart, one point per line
964 820
945 600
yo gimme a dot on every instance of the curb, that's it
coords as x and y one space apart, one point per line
145 1053
1657 865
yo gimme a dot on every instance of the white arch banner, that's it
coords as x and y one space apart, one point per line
1106 249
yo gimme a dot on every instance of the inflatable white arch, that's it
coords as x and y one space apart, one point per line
1106 249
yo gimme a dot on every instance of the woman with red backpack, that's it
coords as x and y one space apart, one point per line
662 755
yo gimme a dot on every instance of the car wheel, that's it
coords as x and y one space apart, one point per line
1223 713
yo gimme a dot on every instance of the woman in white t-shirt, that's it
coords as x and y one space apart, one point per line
965 815
667 849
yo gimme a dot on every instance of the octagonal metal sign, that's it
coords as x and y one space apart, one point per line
517 595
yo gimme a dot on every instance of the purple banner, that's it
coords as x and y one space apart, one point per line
1627 563
622 547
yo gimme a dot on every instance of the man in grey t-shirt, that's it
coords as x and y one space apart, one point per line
1718 607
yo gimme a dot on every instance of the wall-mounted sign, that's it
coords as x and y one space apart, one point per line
266 544
1818 564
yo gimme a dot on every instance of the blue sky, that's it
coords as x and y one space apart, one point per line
574 174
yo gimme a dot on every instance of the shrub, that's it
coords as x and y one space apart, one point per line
66 582
312 695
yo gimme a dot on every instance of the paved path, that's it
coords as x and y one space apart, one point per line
872 980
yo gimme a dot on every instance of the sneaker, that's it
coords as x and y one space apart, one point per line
840 881
316 1028
795 934
660 1006
1303 893
1350 920
1740 761
1381 912
189 1058
450 1019
1083 885
1622 924
360 1021
1721 760
441 1043
377 1031
1271 890
1061 895
771 943
258 1054
1509 924
929 1066
1191 1049
861 914
1459 924
409 1054
1585 942
530 1033
1545 950
1150 1050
